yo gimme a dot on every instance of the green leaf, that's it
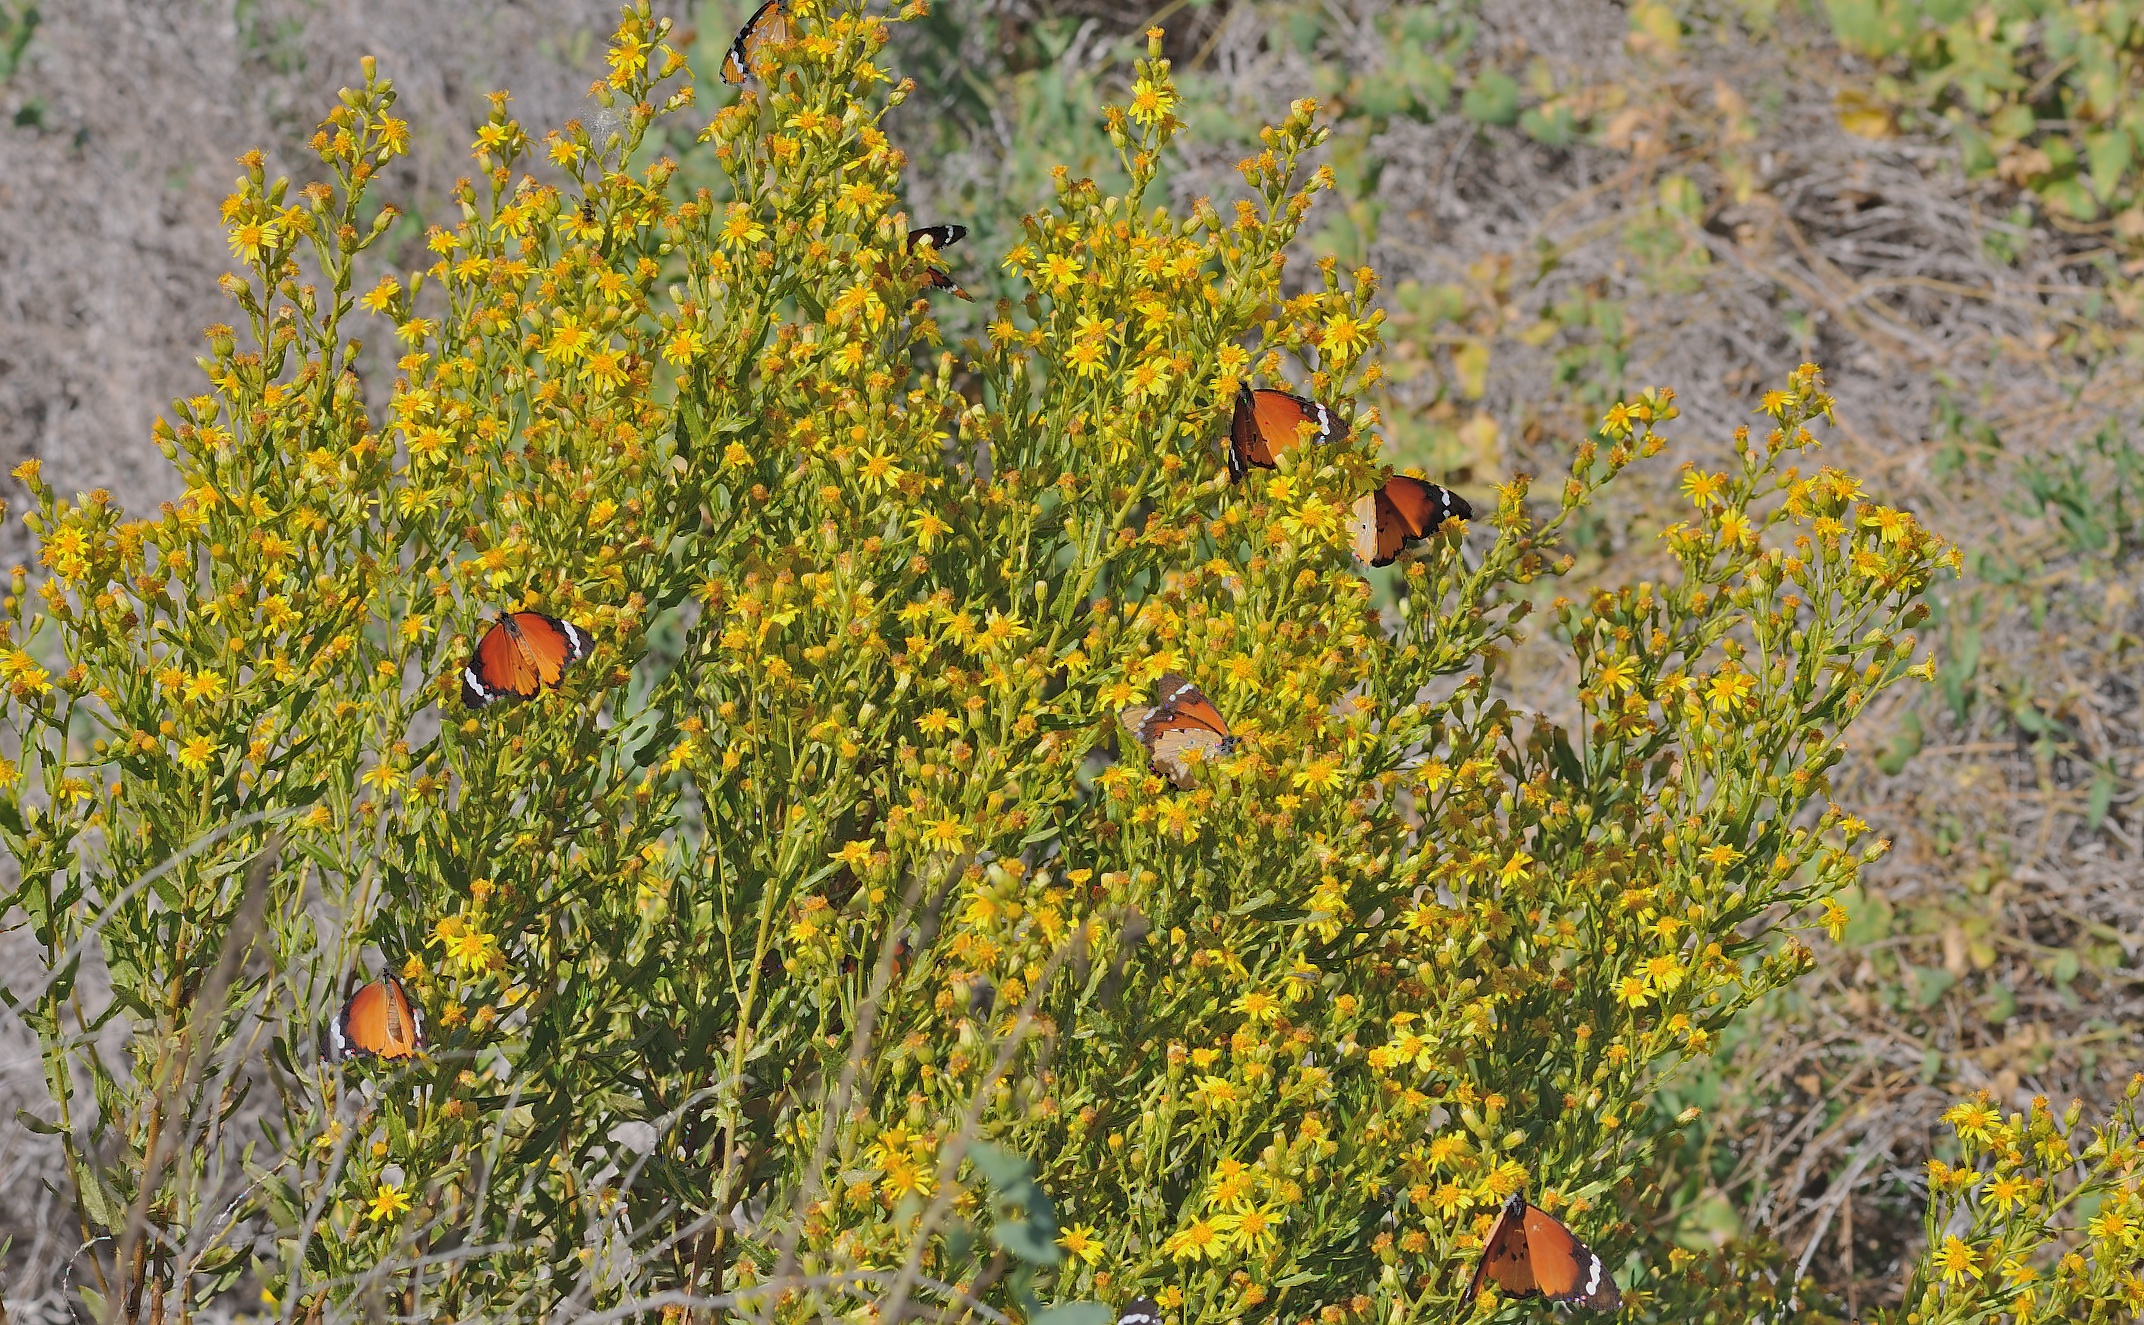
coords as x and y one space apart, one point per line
1905 744
1074 1313
1032 1240
1000 1167
2107 156
2064 968
1868 918
2099 798
1493 99
1930 983
1551 126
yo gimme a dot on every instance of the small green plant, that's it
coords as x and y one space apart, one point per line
846 953
2046 96
18 23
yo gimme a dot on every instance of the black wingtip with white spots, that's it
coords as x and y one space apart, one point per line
1140 1311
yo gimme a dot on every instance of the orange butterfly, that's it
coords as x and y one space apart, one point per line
942 237
521 654
1530 1253
1401 514
768 26
1180 720
1266 423
378 1021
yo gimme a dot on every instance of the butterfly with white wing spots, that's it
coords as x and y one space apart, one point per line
1530 1253
1140 1311
941 237
768 26
1181 721
1401 514
379 1020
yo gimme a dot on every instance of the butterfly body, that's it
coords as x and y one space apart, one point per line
520 655
1530 1253
1401 514
379 1020
1266 423
1181 720
768 26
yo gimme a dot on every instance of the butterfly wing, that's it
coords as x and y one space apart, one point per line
521 654
1281 418
379 1021
1563 1268
1266 423
942 237
1181 720
1171 746
1402 513
1504 1259
1185 703
1140 1311
498 668
550 644
769 25
938 280
1245 447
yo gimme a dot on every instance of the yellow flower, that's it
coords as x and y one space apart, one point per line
1192 1243
740 228
250 239
1957 1260
384 776
1151 101
936 722
606 368
1974 1119
683 346
1216 1092
1258 1005
1059 271
1321 774
23 676
468 947
1891 525
195 753
927 529
1080 1241
879 472
1633 991
1618 676
1251 1230
387 1202
1343 336
2007 1192
1703 488
946 834
569 341
1729 688
904 1176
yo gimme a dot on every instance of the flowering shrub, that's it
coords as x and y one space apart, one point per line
2039 1221
824 939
